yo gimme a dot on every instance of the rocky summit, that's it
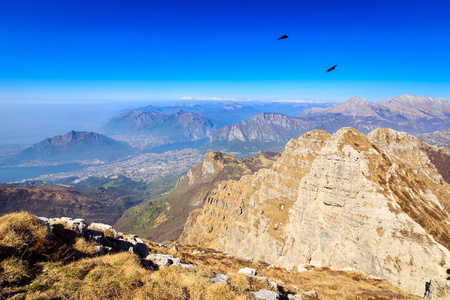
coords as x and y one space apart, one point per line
374 203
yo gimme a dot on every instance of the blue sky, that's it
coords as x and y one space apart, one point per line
83 51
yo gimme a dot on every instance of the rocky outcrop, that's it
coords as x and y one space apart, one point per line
374 203
109 241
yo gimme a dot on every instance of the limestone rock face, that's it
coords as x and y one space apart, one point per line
375 203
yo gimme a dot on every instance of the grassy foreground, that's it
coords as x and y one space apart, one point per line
37 265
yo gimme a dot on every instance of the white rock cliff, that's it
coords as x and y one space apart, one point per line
372 203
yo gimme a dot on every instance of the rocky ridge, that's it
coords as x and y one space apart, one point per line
375 203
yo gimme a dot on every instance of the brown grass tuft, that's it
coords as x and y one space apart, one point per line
84 246
13 270
20 230
220 291
240 282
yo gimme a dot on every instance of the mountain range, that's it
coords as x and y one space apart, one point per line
224 114
415 115
179 126
407 113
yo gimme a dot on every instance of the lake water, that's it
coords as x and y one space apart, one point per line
20 173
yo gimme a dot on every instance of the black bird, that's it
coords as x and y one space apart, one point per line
283 37
332 68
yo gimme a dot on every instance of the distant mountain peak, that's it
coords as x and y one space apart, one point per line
353 107
181 112
357 100
75 145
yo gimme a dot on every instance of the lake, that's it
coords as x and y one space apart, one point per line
20 173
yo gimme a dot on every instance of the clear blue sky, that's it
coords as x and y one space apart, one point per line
156 50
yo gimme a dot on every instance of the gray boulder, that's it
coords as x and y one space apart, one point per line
95 235
266 294
105 228
247 271
163 260
220 278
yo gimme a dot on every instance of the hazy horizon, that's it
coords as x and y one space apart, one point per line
99 57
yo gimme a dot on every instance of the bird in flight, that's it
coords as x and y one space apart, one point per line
283 37
332 68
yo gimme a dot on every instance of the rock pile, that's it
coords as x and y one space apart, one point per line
110 241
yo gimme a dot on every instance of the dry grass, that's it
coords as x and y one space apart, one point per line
13 270
84 246
332 284
121 276
240 282
220 291
20 230
329 284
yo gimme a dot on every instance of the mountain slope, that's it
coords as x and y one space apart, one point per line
372 203
438 138
420 107
75 145
179 126
57 201
266 131
163 218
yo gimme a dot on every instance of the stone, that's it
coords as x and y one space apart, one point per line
93 235
107 229
139 247
266 294
311 294
76 225
247 271
220 278
272 284
163 260
295 297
